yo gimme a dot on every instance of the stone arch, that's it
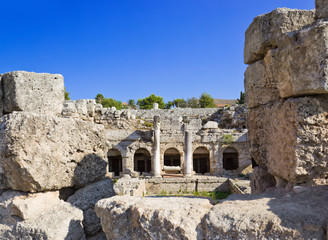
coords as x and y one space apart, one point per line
172 157
230 158
114 161
142 161
201 160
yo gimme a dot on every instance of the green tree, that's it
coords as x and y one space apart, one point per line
99 98
67 95
169 104
206 101
109 102
241 100
147 103
193 102
132 103
180 103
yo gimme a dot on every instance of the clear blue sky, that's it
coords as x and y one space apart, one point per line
129 49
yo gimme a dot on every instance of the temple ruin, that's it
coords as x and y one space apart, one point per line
63 162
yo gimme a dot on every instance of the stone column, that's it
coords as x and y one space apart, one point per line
126 165
157 147
155 106
188 154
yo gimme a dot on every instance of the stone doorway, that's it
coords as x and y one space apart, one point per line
172 158
172 161
230 159
142 161
201 160
114 161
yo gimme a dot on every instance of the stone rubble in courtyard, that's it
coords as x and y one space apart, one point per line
86 198
38 216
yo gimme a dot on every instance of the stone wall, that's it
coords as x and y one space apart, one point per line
186 186
287 94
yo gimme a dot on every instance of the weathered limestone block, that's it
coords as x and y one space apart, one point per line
32 205
210 125
152 218
44 152
260 82
301 63
130 186
321 7
86 198
266 30
269 216
290 138
33 92
38 216
298 67
261 180
3 180
84 109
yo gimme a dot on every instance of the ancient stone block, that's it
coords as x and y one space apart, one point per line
321 9
298 67
210 125
152 218
42 152
260 82
33 92
38 216
301 62
32 205
261 180
289 137
266 30
86 198
269 216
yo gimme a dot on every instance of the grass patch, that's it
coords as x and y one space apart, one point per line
214 195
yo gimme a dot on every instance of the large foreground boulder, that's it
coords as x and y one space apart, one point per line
86 198
266 30
297 67
33 92
44 152
125 217
270 216
292 144
38 216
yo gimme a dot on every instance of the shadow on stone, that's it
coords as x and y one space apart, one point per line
92 168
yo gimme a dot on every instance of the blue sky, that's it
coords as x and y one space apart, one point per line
129 49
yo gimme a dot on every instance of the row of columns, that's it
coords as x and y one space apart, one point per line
156 159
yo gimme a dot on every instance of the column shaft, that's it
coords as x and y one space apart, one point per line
188 154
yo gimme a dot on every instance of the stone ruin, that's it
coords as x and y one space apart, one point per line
286 93
287 97
56 156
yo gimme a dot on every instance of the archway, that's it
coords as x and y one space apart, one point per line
142 161
172 158
230 159
114 161
201 160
